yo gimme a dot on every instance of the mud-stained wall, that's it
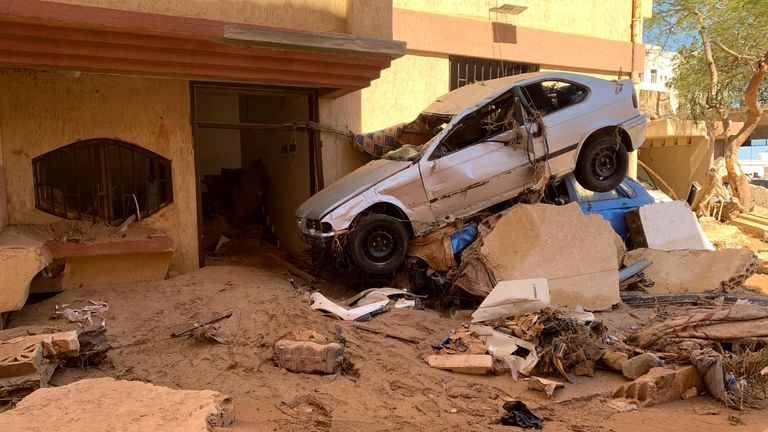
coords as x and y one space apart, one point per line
409 85
42 111
311 15
3 188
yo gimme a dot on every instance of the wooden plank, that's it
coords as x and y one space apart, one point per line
465 363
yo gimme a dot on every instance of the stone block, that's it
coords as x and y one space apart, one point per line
666 226
309 356
542 241
660 386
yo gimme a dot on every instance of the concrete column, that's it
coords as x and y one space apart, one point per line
635 37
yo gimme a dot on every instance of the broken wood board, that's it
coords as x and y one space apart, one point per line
128 406
576 253
666 226
685 271
477 364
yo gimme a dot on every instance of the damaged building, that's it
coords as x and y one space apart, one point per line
135 136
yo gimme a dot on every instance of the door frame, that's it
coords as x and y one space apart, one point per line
315 147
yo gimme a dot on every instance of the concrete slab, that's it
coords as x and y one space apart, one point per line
576 253
127 406
666 226
683 271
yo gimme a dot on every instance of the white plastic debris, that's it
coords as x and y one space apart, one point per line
85 314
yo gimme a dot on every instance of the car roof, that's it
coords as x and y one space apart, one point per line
457 100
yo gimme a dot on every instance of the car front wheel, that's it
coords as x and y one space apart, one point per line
602 164
377 244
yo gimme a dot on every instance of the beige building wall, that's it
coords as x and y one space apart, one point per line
597 18
42 111
310 15
3 189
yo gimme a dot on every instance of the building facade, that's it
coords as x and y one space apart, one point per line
172 111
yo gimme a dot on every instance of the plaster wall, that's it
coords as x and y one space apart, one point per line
680 162
3 188
42 111
582 17
311 15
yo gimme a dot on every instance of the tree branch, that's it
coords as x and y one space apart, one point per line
733 53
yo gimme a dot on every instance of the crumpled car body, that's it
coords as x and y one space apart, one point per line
465 152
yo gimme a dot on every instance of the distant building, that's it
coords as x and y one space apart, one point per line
656 98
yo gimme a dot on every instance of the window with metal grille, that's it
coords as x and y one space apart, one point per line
467 70
101 179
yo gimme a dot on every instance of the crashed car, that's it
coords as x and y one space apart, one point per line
474 147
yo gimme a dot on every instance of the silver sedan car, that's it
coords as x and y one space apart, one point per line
474 147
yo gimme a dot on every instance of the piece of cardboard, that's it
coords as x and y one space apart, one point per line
513 297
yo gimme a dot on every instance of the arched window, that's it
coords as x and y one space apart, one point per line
101 179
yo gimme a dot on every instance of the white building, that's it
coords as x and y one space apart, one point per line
659 66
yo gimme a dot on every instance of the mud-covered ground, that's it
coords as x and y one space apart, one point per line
391 389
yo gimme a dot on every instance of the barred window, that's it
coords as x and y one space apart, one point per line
101 179
467 70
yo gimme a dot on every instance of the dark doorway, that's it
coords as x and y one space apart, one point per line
256 163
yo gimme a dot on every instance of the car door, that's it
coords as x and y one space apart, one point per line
477 164
560 104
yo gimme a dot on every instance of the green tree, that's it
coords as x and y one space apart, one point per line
722 48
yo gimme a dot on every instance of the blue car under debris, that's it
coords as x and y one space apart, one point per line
612 205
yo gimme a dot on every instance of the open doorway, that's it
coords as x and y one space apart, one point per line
256 163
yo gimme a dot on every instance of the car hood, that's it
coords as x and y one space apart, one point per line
347 187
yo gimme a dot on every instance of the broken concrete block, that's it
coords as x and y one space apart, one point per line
23 369
467 363
108 404
681 271
308 356
662 385
55 345
576 253
666 226
614 359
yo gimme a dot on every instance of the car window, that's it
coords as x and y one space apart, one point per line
478 126
584 195
552 95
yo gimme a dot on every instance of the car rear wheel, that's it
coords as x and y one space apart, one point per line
377 244
602 164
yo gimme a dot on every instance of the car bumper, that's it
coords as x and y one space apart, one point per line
636 127
314 236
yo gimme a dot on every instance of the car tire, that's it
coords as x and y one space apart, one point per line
377 244
601 165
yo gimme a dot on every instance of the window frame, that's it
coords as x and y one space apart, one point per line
103 196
